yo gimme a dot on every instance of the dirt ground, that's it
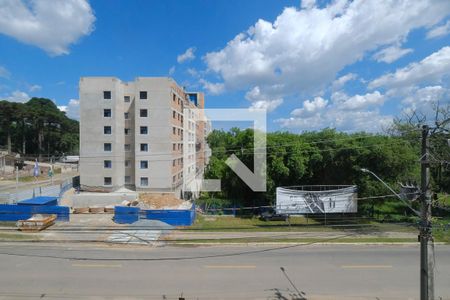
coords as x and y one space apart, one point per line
159 201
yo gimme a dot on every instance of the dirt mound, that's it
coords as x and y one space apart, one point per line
160 201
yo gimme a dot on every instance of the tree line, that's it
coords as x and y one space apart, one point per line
36 128
325 157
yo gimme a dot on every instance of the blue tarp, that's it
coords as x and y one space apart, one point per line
41 200
126 214
175 217
12 212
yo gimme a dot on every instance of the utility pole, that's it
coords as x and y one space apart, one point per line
425 236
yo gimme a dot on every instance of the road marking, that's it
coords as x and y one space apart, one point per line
367 267
229 267
96 266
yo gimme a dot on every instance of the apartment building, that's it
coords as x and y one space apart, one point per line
145 135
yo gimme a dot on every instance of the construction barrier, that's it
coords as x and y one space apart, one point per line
126 214
175 217
13 212
172 217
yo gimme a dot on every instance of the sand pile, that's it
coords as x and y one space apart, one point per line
162 201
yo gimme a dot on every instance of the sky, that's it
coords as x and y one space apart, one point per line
350 65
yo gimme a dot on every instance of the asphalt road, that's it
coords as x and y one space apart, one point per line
44 271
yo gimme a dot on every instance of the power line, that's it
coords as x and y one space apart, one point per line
179 258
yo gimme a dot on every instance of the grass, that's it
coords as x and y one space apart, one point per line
444 199
294 240
296 223
7 237
7 224
441 230
32 178
229 223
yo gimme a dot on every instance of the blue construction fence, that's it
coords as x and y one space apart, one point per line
175 217
14 212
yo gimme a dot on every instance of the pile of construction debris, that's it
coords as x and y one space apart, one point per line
36 223
161 201
144 201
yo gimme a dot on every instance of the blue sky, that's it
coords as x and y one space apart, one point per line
350 65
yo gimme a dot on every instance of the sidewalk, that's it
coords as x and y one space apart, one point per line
9 186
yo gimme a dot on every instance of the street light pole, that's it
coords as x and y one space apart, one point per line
389 188
425 237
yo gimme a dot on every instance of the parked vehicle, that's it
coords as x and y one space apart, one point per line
271 215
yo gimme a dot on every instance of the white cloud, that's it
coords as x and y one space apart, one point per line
262 101
425 100
50 25
341 81
369 121
391 54
431 69
358 102
35 88
269 105
343 112
439 31
172 70
212 88
62 108
18 96
303 50
4 73
193 72
72 109
186 56
308 4
310 107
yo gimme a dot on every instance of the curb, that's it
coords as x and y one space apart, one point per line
169 243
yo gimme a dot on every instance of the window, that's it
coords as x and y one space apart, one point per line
174 130
107 164
107 113
127 163
173 163
107 130
144 130
107 95
174 97
144 181
126 98
127 131
127 179
173 114
107 180
107 147
127 147
142 95
174 178
144 147
144 164
143 113
126 116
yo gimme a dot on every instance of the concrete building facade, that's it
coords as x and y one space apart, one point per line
145 135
